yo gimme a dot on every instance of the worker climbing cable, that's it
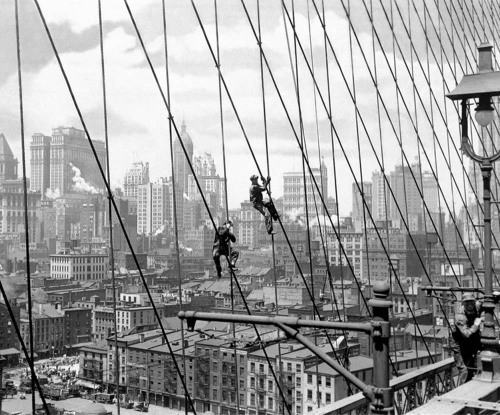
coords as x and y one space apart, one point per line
223 236
258 203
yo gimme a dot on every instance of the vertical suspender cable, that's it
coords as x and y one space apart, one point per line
110 211
174 195
358 142
235 345
424 218
306 200
275 277
26 212
106 183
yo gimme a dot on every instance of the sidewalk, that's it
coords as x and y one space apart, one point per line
79 404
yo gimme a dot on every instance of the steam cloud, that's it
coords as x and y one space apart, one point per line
79 183
295 215
185 248
161 229
53 194
323 220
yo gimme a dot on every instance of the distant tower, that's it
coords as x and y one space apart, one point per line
357 201
153 207
8 164
12 197
181 170
40 163
138 174
68 147
378 199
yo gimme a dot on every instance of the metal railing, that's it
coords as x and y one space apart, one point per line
410 391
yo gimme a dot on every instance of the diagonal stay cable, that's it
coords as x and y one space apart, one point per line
29 357
108 188
110 207
250 147
174 194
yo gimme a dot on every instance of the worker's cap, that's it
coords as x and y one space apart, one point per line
254 177
228 222
468 297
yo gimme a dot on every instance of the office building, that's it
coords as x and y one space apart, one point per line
138 174
68 162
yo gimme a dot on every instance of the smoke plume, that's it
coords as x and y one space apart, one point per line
79 183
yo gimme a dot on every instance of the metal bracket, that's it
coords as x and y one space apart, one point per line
381 329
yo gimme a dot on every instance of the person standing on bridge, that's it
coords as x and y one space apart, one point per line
466 338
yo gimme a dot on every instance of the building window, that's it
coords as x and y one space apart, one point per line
309 379
309 394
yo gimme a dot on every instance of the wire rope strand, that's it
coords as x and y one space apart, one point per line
103 175
301 148
174 195
218 64
26 212
110 208
275 277
281 99
31 363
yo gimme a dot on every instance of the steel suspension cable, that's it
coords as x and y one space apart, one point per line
431 92
30 358
275 277
413 125
306 200
444 117
110 208
295 133
108 188
167 106
31 363
305 58
232 274
174 194
251 150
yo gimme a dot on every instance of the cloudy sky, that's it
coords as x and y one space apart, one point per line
428 52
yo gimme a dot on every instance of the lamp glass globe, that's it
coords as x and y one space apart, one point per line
484 117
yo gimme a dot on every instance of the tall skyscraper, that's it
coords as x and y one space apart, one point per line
293 192
72 167
210 182
136 175
181 171
40 163
357 200
153 207
378 196
12 197
407 199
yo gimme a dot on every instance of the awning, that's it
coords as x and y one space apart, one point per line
9 351
87 384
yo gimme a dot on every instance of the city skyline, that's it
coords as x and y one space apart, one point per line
138 120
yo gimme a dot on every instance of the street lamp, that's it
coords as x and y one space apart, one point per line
482 86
